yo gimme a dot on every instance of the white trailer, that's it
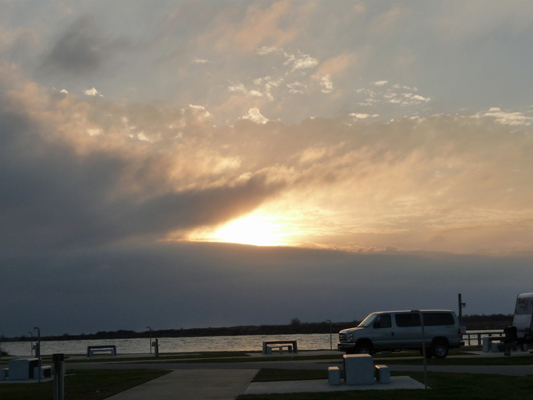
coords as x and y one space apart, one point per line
523 318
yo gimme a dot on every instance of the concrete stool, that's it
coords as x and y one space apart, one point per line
334 376
3 373
358 369
495 347
382 374
46 372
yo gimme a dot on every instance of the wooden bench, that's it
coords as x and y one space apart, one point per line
101 349
279 348
291 346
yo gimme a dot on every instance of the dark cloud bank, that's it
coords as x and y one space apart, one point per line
178 285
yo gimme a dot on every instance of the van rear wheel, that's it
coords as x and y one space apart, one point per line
439 349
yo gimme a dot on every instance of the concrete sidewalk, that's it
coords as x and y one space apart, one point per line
194 384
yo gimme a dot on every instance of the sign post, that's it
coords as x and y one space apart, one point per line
423 346
59 376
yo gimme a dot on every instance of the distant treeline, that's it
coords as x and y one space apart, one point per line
494 321
472 322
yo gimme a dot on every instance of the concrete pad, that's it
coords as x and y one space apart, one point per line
322 385
192 384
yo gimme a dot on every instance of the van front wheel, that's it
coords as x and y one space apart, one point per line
363 348
439 349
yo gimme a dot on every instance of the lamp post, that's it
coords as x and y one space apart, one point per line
38 350
31 343
330 338
150 333
461 306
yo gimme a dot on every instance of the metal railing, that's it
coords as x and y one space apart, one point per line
476 338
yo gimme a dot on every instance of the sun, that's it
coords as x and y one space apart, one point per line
254 230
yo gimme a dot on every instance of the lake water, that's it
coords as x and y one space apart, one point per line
174 345
320 341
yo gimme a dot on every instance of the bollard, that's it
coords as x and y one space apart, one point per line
156 348
59 377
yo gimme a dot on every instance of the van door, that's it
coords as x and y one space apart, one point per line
383 335
408 331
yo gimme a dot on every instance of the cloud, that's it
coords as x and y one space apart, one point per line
363 116
301 61
238 88
326 83
82 48
297 88
262 51
384 22
255 116
260 27
92 92
509 118
88 185
337 65
107 171
12 41
400 95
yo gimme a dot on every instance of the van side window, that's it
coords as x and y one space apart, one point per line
438 319
407 319
383 321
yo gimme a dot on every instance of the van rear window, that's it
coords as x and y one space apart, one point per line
430 319
436 319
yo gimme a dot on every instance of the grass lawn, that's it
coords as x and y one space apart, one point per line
82 385
443 386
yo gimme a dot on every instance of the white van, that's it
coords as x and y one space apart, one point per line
402 330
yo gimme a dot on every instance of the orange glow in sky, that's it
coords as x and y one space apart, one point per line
254 229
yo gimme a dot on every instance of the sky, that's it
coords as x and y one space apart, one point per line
180 164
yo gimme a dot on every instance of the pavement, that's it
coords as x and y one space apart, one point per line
195 384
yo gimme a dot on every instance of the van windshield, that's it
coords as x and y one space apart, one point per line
368 321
